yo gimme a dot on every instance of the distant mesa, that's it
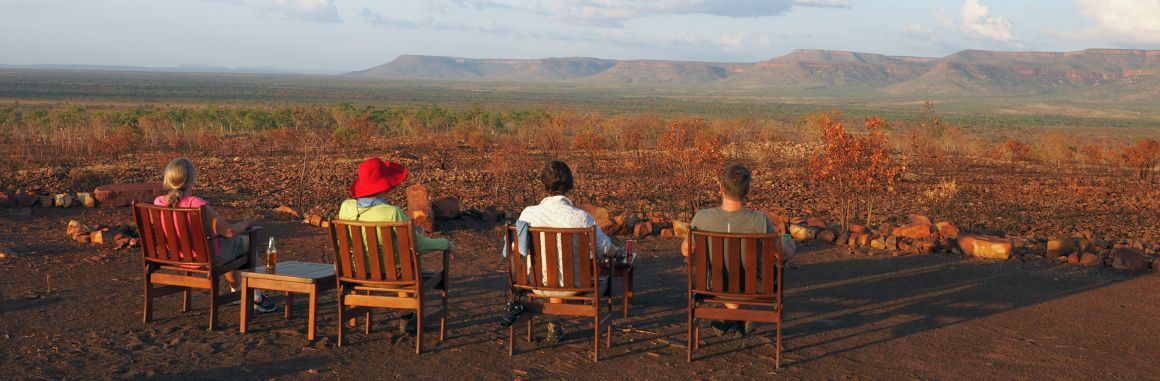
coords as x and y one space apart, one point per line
970 72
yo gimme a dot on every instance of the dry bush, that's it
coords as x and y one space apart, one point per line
1144 156
691 155
1012 150
859 166
87 179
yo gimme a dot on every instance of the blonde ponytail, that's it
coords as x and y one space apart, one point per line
179 177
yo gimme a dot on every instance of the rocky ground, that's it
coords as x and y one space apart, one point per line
72 310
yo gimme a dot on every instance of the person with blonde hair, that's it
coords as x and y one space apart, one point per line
229 240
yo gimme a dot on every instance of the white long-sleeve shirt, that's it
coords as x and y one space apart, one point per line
559 212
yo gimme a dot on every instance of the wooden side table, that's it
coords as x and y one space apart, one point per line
622 269
289 277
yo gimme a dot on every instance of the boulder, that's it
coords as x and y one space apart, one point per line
287 210
827 236
1057 247
126 194
25 199
913 231
1073 259
642 229
680 229
918 219
1130 260
879 243
101 236
816 222
1091 260
46 201
491 215
864 240
801 233
667 232
947 229
892 243
988 247
778 220
63 200
87 200
1156 265
7 201
446 208
419 207
75 227
855 228
843 239
599 214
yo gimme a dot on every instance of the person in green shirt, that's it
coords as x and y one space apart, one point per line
376 178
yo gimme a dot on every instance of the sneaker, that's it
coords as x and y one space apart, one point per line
555 332
262 304
407 324
728 327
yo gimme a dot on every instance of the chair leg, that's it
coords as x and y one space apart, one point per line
213 302
511 339
530 329
443 316
777 350
596 338
370 316
419 330
691 338
341 321
147 313
185 300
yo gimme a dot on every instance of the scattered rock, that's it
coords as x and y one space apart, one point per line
801 233
918 219
947 229
6 252
817 223
75 227
446 208
126 194
879 243
826 235
855 228
1091 260
87 200
101 236
419 207
1057 247
1073 259
680 228
988 247
491 215
63 200
599 214
46 201
25 199
7 201
913 231
287 210
1129 259
642 229
843 239
667 232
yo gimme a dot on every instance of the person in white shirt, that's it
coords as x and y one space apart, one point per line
557 211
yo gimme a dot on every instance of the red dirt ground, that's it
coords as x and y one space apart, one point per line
73 311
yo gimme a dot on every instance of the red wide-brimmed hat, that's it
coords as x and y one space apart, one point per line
375 176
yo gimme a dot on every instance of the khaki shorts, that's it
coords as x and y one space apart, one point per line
231 248
602 285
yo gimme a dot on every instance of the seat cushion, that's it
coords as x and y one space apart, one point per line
602 285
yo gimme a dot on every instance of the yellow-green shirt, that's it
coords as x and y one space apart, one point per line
384 212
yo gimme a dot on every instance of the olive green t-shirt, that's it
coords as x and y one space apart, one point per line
744 221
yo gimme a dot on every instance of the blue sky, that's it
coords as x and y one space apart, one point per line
346 35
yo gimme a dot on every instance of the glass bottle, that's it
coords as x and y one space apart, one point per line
271 257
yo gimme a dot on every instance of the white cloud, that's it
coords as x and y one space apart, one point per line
735 41
616 12
977 20
304 10
1130 21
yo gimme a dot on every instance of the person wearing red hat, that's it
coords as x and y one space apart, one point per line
377 177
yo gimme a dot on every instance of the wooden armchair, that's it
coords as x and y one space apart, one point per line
385 273
178 254
725 269
561 265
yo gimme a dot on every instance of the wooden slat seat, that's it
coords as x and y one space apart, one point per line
377 267
561 264
179 255
740 269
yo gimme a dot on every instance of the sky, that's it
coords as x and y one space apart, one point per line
328 36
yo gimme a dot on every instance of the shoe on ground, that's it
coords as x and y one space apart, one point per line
263 305
721 327
407 324
555 333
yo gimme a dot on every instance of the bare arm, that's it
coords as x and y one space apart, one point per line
219 225
685 247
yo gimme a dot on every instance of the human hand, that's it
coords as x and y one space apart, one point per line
451 249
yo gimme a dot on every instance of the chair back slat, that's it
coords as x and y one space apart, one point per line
751 268
374 251
358 252
388 241
173 235
717 263
735 264
558 259
410 268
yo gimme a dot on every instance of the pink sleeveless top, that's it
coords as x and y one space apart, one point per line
187 202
